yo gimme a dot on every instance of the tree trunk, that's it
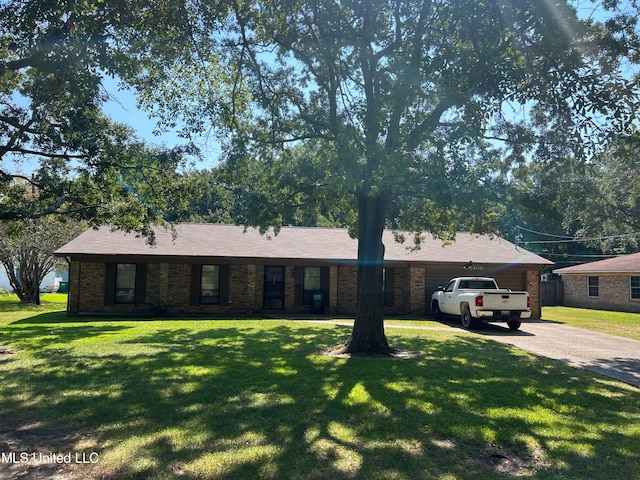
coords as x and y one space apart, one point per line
25 286
368 330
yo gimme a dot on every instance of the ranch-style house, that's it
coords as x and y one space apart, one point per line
225 269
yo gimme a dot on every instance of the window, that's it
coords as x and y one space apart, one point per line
635 288
274 290
125 283
478 284
384 283
210 285
592 283
312 283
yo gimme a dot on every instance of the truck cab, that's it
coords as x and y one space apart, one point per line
477 299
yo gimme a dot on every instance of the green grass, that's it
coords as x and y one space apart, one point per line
238 399
620 324
12 310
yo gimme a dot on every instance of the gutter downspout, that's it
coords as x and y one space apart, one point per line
338 290
69 286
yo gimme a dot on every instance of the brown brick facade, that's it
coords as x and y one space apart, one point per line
168 288
614 292
532 285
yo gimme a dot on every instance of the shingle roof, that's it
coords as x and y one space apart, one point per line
622 264
215 240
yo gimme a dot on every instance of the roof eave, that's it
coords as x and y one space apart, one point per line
597 272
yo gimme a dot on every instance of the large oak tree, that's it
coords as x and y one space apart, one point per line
415 105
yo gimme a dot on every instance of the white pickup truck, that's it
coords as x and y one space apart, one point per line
479 298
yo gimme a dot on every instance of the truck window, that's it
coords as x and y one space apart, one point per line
449 287
482 284
474 285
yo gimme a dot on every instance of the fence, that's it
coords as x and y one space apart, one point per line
551 293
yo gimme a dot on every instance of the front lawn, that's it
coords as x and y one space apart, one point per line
620 324
11 309
240 399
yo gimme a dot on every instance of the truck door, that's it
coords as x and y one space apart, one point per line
447 299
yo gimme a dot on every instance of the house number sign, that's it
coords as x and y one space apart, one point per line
473 267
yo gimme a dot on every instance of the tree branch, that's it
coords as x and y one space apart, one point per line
430 123
15 65
26 151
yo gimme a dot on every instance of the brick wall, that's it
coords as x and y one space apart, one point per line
403 288
169 285
532 285
613 293
73 304
241 283
179 285
417 286
333 290
347 286
290 292
402 292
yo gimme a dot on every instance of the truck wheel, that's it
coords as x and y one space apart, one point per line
467 320
435 310
514 324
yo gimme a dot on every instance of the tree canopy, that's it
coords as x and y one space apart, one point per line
53 58
419 105
26 252
567 207
414 110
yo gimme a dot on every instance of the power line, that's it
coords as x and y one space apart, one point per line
565 239
540 233
570 255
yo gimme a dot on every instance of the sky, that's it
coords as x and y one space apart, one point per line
122 108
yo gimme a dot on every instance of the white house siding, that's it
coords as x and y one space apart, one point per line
50 280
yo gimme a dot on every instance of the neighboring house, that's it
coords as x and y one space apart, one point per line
4 280
612 284
50 283
210 268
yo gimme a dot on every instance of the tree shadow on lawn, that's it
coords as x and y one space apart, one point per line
485 327
246 401
624 369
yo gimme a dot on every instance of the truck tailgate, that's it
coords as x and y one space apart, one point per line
505 300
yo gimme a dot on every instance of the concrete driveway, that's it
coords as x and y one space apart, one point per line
607 355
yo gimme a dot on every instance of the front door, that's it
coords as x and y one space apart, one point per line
274 288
